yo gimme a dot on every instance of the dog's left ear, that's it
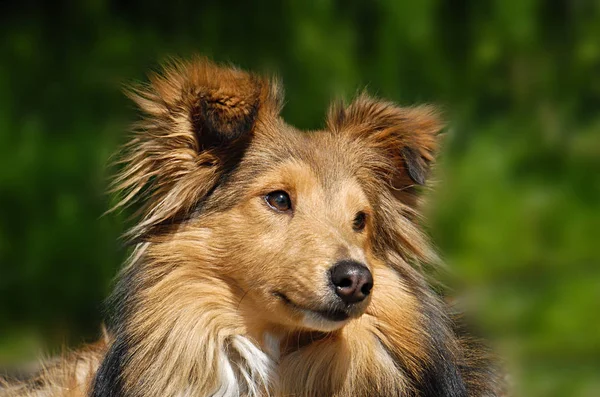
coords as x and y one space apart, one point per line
399 142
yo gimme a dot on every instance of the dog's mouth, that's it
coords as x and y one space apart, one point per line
332 314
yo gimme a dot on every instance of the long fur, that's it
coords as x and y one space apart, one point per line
221 296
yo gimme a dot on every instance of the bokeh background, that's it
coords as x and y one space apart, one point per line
516 213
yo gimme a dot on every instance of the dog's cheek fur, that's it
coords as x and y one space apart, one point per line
180 332
414 332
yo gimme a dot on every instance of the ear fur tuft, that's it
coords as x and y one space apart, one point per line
406 137
218 104
198 118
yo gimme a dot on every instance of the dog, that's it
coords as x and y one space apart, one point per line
270 261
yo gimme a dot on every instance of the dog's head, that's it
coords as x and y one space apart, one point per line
299 224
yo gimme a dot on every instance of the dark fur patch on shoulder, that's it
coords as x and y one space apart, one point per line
108 381
442 378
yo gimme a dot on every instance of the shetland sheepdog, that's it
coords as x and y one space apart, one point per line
270 261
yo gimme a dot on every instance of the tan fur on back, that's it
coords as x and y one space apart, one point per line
68 376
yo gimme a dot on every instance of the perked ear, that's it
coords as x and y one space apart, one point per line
217 104
405 139
198 119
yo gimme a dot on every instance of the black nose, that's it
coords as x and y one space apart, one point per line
352 281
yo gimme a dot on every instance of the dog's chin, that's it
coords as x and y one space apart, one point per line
327 319
317 322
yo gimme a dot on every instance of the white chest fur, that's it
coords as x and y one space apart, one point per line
244 370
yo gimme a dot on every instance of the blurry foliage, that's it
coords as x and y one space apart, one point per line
516 213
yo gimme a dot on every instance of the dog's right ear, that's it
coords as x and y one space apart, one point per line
398 144
198 119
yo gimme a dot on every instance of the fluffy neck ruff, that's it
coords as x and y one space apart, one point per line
178 331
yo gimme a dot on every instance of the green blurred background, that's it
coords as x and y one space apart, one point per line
517 209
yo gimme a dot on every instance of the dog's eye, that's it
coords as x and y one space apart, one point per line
359 222
279 201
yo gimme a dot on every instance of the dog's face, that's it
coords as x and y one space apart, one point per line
293 221
300 232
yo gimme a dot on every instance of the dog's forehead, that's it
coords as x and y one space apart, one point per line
330 158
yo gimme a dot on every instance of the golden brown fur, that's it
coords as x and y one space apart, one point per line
222 295
67 376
